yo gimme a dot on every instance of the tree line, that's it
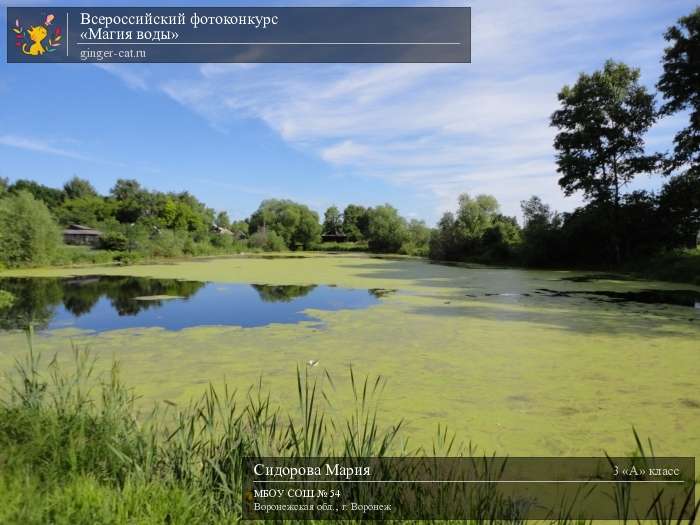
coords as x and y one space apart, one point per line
601 125
135 222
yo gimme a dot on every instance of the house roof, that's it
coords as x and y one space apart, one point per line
90 231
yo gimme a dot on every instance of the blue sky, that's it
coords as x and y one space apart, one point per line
413 135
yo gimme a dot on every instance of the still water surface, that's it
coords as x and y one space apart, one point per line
101 303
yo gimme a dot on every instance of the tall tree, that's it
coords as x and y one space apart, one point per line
332 221
600 144
78 188
295 223
679 208
355 222
476 214
387 229
680 86
540 232
125 189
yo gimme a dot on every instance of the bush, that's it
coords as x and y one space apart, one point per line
267 241
6 299
126 259
414 249
28 233
678 265
115 241
68 255
166 243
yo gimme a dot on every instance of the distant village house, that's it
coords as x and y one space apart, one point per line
81 235
238 235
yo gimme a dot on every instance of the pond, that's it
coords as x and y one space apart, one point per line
100 303
523 362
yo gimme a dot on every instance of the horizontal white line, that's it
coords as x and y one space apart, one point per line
269 43
465 481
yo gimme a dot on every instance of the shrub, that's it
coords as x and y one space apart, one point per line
6 299
28 233
115 241
67 255
166 243
126 259
267 240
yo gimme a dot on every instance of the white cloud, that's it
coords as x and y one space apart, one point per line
127 73
439 129
344 152
40 146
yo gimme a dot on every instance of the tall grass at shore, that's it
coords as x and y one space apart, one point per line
74 449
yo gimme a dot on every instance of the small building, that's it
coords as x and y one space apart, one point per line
334 237
221 230
80 235
237 235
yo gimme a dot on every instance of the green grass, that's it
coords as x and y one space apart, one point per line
74 450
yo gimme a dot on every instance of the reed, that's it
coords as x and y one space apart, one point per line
75 449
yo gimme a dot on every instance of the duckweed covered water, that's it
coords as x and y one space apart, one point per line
520 362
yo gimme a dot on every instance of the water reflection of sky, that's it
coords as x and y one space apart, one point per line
106 303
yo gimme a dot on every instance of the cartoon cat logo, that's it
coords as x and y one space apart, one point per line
31 40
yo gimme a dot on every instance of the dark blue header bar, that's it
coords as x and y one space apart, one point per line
238 34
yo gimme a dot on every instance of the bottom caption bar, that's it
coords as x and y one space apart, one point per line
508 488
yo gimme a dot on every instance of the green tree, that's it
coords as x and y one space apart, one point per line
679 209
536 214
222 220
600 148
418 238
52 197
125 189
386 230
28 233
130 199
240 228
78 188
308 231
332 221
355 222
475 215
88 210
294 223
680 87
541 233
501 240
460 236
443 240
197 215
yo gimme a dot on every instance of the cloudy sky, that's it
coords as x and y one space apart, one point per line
412 135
